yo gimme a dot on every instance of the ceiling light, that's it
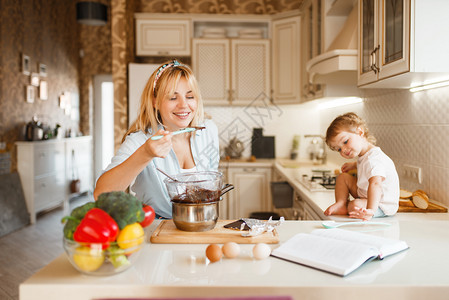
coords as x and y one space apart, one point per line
429 86
339 102
91 13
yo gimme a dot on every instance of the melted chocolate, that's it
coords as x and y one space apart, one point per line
197 196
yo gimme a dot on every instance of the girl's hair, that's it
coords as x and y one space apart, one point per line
348 122
160 86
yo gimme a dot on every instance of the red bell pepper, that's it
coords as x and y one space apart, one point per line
97 226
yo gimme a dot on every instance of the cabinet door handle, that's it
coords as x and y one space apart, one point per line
163 52
249 169
373 60
376 55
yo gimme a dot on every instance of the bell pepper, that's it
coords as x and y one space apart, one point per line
97 226
149 215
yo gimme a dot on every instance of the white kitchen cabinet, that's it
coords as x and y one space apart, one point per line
42 166
211 65
286 60
303 210
311 47
232 71
251 192
162 37
223 204
401 43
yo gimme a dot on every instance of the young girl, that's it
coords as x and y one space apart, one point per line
170 101
376 188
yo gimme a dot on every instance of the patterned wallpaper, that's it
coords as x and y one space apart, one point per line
218 6
44 31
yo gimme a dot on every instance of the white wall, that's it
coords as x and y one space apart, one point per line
283 122
411 128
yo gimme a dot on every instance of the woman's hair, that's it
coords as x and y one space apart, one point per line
160 86
348 122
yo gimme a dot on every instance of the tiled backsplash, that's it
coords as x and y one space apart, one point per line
411 128
282 121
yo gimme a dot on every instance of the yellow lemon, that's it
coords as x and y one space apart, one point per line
130 236
88 259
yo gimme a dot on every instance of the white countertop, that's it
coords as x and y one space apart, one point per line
320 201
169 270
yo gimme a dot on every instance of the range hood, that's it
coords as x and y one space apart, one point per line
338 65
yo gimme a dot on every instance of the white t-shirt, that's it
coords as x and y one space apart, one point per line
376 163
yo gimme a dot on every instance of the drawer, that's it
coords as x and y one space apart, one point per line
49 158
49 191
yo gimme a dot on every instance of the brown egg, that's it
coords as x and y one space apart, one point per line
213 252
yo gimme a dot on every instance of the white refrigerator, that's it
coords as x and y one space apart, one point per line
138 75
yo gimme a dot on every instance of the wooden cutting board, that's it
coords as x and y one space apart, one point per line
167 233
408 206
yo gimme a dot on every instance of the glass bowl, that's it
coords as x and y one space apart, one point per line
194 198
92 259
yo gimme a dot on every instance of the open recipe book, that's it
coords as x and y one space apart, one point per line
337 251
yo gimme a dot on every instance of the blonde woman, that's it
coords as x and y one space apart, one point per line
376 187
170 101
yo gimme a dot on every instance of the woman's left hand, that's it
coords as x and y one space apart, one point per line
361 213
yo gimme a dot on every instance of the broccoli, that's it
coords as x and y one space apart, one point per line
75 218
124 208
80 211
117 256
70 227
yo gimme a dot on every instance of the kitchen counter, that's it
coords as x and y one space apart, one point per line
245 163
181 270
319 201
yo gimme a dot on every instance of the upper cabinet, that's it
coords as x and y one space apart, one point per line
236 58
311 42
162 37
402 43
286 60
232 71
211 64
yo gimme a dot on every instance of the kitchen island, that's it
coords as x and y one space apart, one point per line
182 270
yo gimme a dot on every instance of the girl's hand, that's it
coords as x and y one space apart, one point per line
159 148
346 167
361 213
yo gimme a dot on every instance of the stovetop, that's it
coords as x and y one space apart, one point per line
319 181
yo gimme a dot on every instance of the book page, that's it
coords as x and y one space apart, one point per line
385 246
331 255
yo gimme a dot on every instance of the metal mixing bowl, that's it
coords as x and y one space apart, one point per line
194 198
195 217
